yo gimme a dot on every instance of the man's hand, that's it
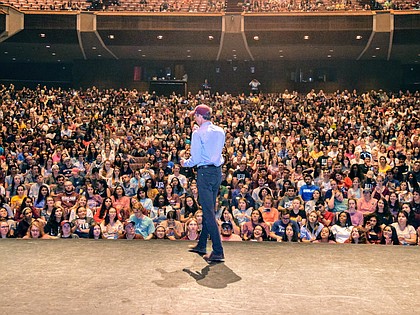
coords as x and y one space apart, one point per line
182 162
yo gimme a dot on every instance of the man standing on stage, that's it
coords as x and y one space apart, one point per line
206 152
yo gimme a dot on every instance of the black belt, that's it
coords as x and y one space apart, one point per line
207 166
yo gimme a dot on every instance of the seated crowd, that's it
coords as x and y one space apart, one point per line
191 6
105 164
212 6
272 6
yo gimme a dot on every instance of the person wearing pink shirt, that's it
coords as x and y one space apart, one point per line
226 233
121 202
366 204
355 215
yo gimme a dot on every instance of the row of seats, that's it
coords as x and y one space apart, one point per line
186 6
203 6
326 5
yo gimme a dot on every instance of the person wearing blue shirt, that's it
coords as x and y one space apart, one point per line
243 193
308 189
143 224
129 189
279 227
206 153
390 181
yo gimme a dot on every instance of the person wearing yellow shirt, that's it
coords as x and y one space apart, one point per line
17 200
315 153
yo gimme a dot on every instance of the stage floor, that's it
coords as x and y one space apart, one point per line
162 277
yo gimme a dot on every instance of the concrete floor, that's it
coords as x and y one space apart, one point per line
161 277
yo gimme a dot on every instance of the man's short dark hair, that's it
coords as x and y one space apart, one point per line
206 116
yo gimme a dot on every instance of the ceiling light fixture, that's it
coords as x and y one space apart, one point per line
359 37
256 37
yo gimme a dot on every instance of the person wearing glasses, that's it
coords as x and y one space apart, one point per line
278 228
5 230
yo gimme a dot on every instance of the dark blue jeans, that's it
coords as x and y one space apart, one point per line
208 183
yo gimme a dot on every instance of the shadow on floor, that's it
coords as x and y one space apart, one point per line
215 276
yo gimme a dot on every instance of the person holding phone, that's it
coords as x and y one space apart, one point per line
172 226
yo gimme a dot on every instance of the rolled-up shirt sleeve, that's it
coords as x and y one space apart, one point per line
195 150
207 144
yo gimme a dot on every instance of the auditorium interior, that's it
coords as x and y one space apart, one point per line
171 47
329 50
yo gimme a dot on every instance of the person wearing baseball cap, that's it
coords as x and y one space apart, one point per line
130 231
227 233
207 143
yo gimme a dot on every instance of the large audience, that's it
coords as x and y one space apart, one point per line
273 6
186 6
211 6
342 167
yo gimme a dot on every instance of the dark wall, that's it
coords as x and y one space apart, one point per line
32 74
235 76
105 74
232 77
2 22
277 76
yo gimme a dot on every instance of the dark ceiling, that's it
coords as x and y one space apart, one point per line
71 36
